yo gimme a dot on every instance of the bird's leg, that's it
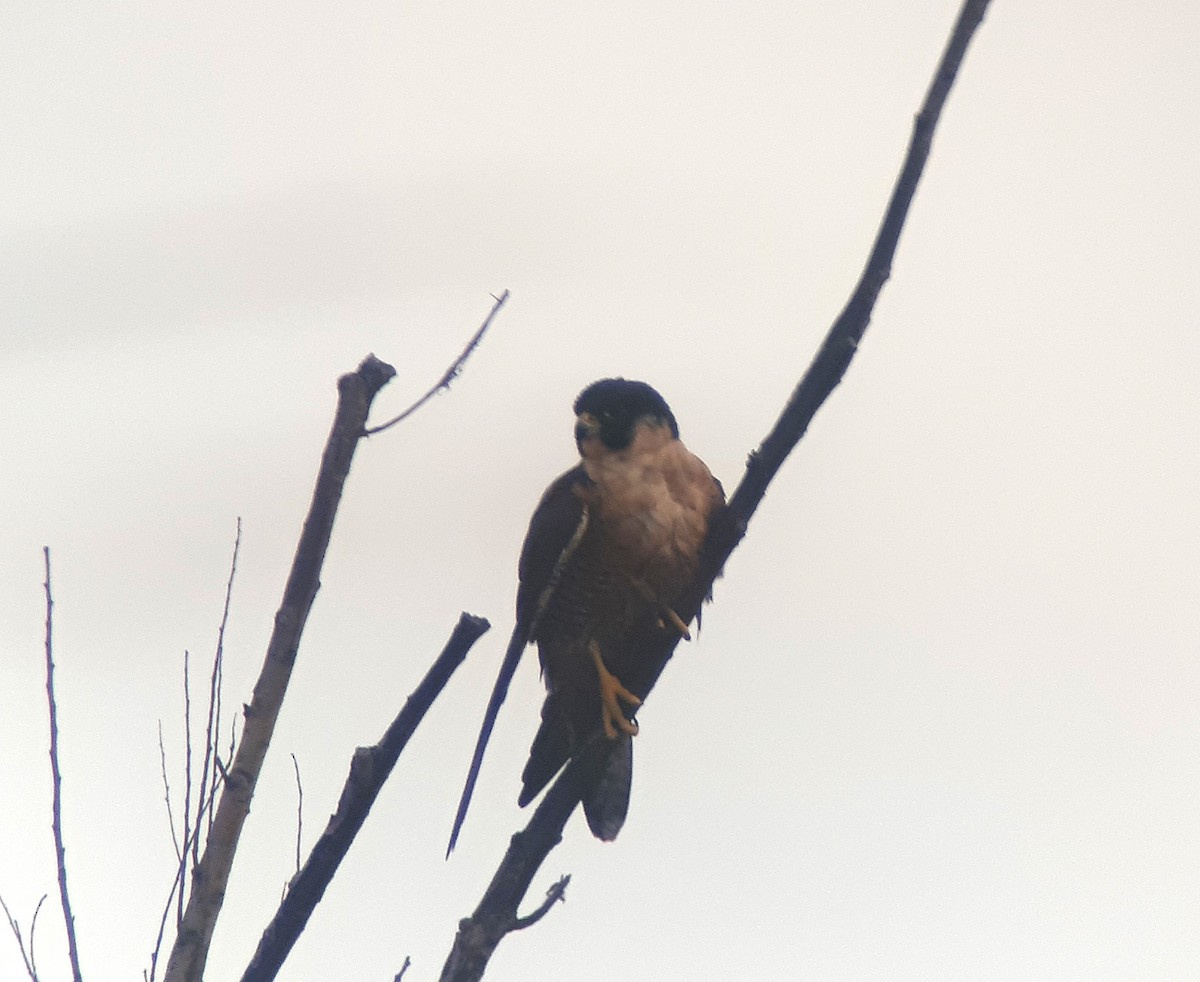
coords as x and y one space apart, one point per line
677 622
611 690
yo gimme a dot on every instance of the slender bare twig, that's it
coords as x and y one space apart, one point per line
369 769
56 777
210 771
212 728
556 893
299 810
162 764
479 934
187 782
27 954
356 390
201 813
32 932
403 969
451 373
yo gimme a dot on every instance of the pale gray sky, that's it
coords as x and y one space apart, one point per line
942 720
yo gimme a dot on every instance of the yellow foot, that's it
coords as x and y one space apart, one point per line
611 690
677 622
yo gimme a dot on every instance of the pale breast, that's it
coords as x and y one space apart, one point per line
655 498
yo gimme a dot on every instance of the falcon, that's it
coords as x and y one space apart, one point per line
612 546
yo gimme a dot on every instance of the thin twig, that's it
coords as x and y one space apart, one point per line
233 742
211 771
183 857
162 766
299 810
451 373
403 969
556 893
187 782
213 726
32 931
56 777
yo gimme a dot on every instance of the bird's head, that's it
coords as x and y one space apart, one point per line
612 409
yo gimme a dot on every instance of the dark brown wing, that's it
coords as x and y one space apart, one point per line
557 526
555 530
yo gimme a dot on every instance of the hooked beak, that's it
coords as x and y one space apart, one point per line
586 425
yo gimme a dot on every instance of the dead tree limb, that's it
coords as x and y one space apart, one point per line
479 934
369 769
356 391
56 779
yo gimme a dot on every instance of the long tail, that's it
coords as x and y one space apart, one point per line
508 668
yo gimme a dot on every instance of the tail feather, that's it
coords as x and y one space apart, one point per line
607 786
551 748
606 802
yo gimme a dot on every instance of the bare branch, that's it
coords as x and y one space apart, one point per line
213 726
403 968
369 769
556 893
841 343
187 783
356 391
56 778
299 810
201 813
451 373
32 932
162 765
479 934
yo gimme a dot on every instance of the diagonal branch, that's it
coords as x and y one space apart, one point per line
356 391
369 769
841 343
479 934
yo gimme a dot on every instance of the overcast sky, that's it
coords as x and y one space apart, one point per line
941 722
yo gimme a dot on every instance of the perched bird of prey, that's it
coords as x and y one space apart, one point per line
611 547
